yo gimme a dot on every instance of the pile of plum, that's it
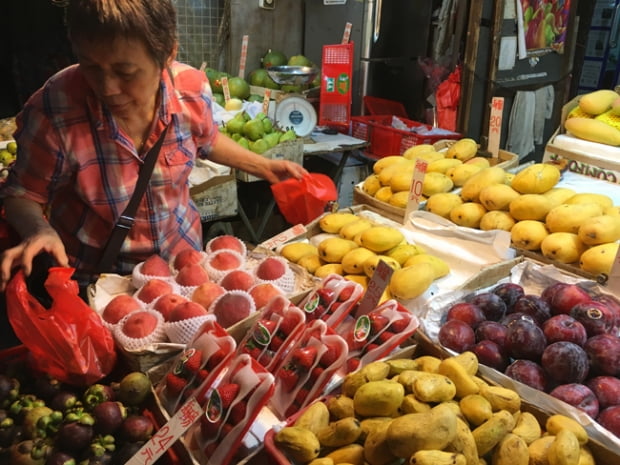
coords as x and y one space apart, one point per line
564 342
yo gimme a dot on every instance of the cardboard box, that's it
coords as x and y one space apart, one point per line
216 198
590 159
292 150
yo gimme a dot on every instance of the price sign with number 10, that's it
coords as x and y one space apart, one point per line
415 192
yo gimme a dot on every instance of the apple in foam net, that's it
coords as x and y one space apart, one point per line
166 303
155 266
118 307
579 396
139 324
193 274
237 279
263 293
232 307
456 335
467 312
225 260
226 242
604 353
563 327
606 389
187 310
270 269
186 257
153 289
565 362
527 372
206 293
596 317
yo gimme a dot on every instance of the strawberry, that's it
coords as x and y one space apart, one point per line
301 396
304 357
330 356
209 429
193 363
377 322
316 372
227 393
371 346
385 336
398 326
226 428
202 375
215 358
288 378
237 412
346 293
352 364
174 384
269 325
265 358
326 295
287 324
276 342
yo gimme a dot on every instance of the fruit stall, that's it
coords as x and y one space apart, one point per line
480 324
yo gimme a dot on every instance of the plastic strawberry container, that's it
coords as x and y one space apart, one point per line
305 372
277 327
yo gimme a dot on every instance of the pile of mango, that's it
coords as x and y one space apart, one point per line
353 248
596 117
391 179
429 411
565 226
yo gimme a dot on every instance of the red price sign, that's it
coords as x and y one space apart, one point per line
266 99
284 236
415 192
225 88
347 33
495 124
376 286
244 56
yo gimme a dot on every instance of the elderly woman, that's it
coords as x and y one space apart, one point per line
82 138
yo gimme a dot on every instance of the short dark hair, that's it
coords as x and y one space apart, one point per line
152 21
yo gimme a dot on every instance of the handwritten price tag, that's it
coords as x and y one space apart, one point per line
375 289
495 125
266 99
244 56
347 33
225 88
284 236
415 192
163 439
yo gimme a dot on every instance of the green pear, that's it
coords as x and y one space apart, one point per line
243 142
288 135
272 139
259 146
253 129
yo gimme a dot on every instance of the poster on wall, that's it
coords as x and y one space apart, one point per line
542 26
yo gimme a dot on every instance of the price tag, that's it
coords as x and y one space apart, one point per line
225 88
166 436
284 236
613 280
244 56
495 125
415 191
347 33
266 99
375 289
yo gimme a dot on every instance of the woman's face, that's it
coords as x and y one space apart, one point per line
121 73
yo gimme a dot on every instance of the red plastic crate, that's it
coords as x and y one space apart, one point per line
386 140
381 106
336 79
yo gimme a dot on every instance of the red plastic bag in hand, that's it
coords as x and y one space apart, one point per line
68 341
301 201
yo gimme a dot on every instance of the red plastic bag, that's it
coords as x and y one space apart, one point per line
68 341
448 96
301 201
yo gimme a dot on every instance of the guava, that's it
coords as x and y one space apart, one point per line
299 60
255 98
267 125
257 77
238 87
273 58
269 83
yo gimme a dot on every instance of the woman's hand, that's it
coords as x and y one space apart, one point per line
284 169
45 240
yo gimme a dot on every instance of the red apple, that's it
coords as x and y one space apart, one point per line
563 327
604 353
187 310
565 362
527 372
118 307
525 339
187 256
610 419
166 303
606 389
467 312
490 354
566 297
206 293
233 307
596 317
226 242
456 335
237 279
155 266
193 274
152 289
263 293
579 396
139 324
271 268
224 260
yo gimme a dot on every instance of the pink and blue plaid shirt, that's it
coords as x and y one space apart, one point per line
74 160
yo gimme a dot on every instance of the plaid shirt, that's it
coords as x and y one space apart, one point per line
74 160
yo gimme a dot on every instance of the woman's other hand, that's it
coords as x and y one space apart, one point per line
284 169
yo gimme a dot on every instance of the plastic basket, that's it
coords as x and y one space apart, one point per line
387 140
381 106
336 76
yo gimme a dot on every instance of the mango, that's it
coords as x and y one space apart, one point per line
377 450
442 165
593 130
482 162
442 204
371 184
412 281
470 192
430 157
568 218
539 450
440 266
600 229
435 183
598 101
558 422
402 252
528 234
468 214
434 388
437 457
381 238
384 193
295 250
563 247
361 279
492 431
559 195
527 427
386 174
314 417
497 196
350 230
399 199
511 450
340 433
332 249
384 162
351 453
416 150
536 179
475 408
327 269
310 262
587 197
332 222
464 443
353 261
564 450
496 219
378 398
371 263
401 181
530 207
299 443
599 259
463 149
461 173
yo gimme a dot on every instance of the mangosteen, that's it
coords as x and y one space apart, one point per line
136 428
74 436
98 393
64 400
8 429
9 389
126 452
28 452
109 416
60 458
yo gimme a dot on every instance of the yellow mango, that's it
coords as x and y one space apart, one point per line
597 101
528 234
497 196
416 150
530 207
613 211
442 203
399 199
435 183
442 165
430 157
600 229
384 162
371 184
559 195
353 261
310 262
295 250
461 173
469 214
511 450
411 281
599 259
401 181
371 263
350 230
384 193
402 252
536 179
327 269
463 149
386 174
381 238
332 249
439 265
358 278
483 162
568 218
593 130
332 222
558 422
563 247
586 197
470 191
496 219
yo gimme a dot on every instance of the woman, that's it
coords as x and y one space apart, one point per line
82 135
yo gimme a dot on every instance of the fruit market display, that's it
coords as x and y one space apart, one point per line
258 134
47 422
564 341
427 411
596 117
352 246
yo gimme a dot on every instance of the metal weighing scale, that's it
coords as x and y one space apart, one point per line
294 110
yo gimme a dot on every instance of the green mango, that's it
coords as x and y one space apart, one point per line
253 129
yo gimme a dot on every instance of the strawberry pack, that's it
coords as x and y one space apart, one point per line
231 403
333 300
317 355
278 325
